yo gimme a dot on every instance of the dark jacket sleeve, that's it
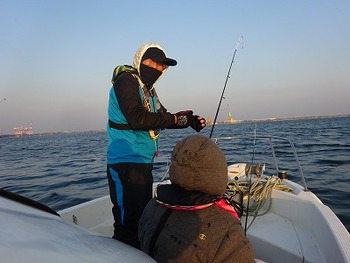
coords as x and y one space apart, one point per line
127 93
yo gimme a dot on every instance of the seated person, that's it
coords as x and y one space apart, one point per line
190 220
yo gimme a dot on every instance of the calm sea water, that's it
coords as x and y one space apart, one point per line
62 170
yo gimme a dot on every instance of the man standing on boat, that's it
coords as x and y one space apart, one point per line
135 118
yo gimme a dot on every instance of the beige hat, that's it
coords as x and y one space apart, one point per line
197 163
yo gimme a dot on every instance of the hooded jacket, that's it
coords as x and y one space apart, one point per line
127 99
210 234
190 220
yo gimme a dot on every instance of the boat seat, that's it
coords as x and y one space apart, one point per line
293 234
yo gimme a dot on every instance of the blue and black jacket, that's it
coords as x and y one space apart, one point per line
129 139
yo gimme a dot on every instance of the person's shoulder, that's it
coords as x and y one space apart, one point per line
153 211
152 203
126 81
126 77
119 70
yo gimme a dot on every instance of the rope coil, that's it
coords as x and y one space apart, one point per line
260 193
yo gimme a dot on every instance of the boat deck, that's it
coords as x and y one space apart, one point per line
292 234
297 228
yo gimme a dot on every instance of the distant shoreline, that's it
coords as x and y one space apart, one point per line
297 118
222 122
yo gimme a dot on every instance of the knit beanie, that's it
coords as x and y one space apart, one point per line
198 164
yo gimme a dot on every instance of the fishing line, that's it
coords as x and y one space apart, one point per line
240 40
250 183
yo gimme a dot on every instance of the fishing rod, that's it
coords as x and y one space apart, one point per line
226 81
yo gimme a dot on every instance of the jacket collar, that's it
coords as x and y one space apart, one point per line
175 195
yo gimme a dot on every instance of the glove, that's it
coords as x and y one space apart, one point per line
197 124
184 118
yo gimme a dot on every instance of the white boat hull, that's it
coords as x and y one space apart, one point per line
33 236
297 228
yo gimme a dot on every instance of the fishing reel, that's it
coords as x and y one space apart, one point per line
254 169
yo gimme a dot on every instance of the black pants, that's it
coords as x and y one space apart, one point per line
130 189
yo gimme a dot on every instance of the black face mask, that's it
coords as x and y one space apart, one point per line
149 75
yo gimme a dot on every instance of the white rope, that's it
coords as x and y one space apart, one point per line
260 193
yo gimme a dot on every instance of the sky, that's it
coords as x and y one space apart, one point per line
57 58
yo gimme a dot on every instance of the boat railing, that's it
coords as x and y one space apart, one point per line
271 141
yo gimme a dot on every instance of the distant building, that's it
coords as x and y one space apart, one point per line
23 131
210 121
230 119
